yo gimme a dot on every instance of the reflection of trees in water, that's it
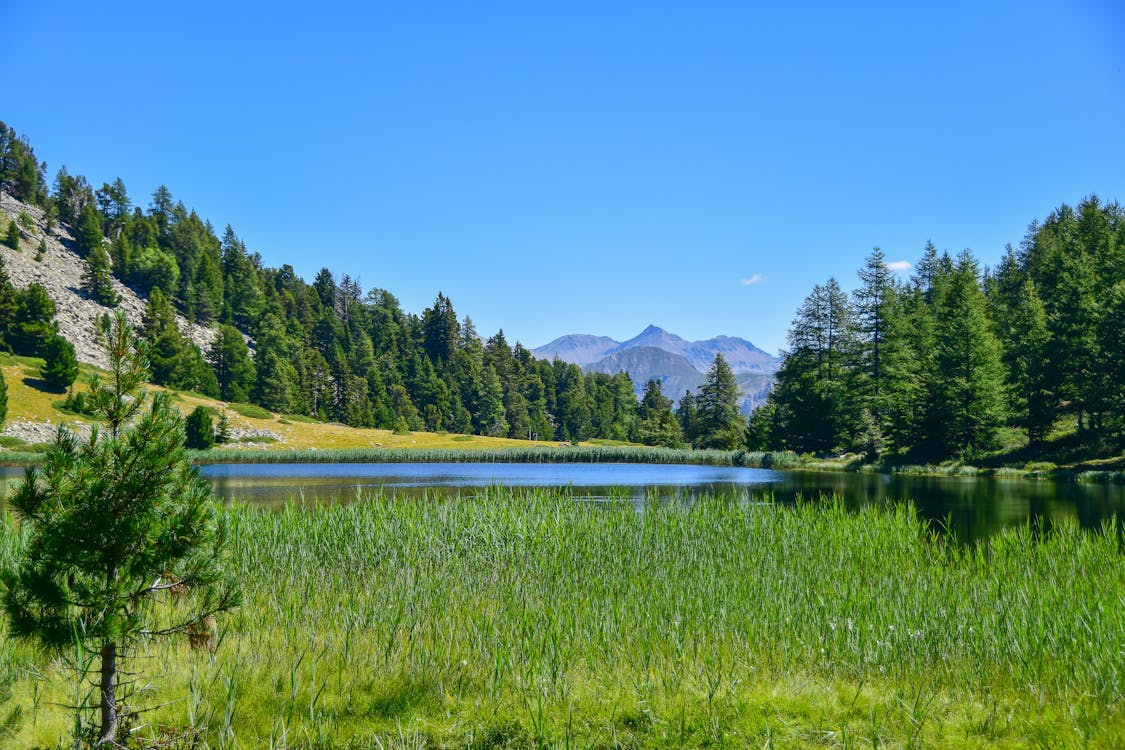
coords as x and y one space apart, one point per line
972 508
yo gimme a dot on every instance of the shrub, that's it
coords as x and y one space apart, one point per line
250 410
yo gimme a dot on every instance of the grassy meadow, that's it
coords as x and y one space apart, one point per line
516 619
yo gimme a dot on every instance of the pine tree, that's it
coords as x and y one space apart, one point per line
96 279
150 525
12 239
720 422
60 364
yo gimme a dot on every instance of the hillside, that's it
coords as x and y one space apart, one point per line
60 271
34 416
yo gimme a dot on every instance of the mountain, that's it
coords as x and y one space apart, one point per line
646 362
680 364
579 348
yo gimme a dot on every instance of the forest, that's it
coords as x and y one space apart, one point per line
329 349
933 367
942 364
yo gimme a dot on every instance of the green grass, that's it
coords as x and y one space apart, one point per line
250 410
530 454
527 619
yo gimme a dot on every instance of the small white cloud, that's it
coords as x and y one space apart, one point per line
900 265
752 280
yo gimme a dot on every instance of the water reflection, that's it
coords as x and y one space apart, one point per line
973 508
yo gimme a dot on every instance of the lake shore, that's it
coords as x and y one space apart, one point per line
1085 471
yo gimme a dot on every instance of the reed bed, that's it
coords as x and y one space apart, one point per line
527 619
530 454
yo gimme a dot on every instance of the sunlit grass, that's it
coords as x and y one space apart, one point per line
529 619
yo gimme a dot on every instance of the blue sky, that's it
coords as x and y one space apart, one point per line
585 167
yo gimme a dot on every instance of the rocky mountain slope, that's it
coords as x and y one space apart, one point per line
60 272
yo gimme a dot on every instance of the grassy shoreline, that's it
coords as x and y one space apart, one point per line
521 619
1036 471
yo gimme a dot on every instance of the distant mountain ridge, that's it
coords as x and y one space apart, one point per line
681 365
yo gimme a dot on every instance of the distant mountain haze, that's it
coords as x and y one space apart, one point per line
679 364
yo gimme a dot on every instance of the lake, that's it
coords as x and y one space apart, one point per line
974 508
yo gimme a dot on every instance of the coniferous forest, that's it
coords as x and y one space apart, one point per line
329 349
940 365
936 366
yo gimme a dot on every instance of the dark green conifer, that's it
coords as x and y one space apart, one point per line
12 239
60 364
720 423
199 429
96 279
150 522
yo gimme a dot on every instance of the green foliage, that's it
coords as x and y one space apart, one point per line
250 410
719 421
21 173
656 424
26 221
12 238
222 432
78 403
60 364
883 629
41 250
199 429
96 278
33 320
3 399
148 521
230 359
175 361
88 232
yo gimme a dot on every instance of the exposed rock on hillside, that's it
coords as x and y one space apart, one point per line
60 272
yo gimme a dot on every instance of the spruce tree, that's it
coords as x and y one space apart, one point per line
113 526
720 422
970 381
60 364
199 430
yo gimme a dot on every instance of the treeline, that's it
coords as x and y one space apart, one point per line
328 349
935 366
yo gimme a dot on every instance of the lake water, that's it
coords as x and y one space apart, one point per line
974 508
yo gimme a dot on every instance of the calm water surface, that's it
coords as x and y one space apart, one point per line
974 508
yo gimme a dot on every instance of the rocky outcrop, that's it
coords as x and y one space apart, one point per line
60 272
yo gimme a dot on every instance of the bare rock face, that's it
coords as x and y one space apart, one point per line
60 272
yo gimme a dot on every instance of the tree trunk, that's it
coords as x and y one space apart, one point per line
108 735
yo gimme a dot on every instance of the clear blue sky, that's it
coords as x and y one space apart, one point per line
585 166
